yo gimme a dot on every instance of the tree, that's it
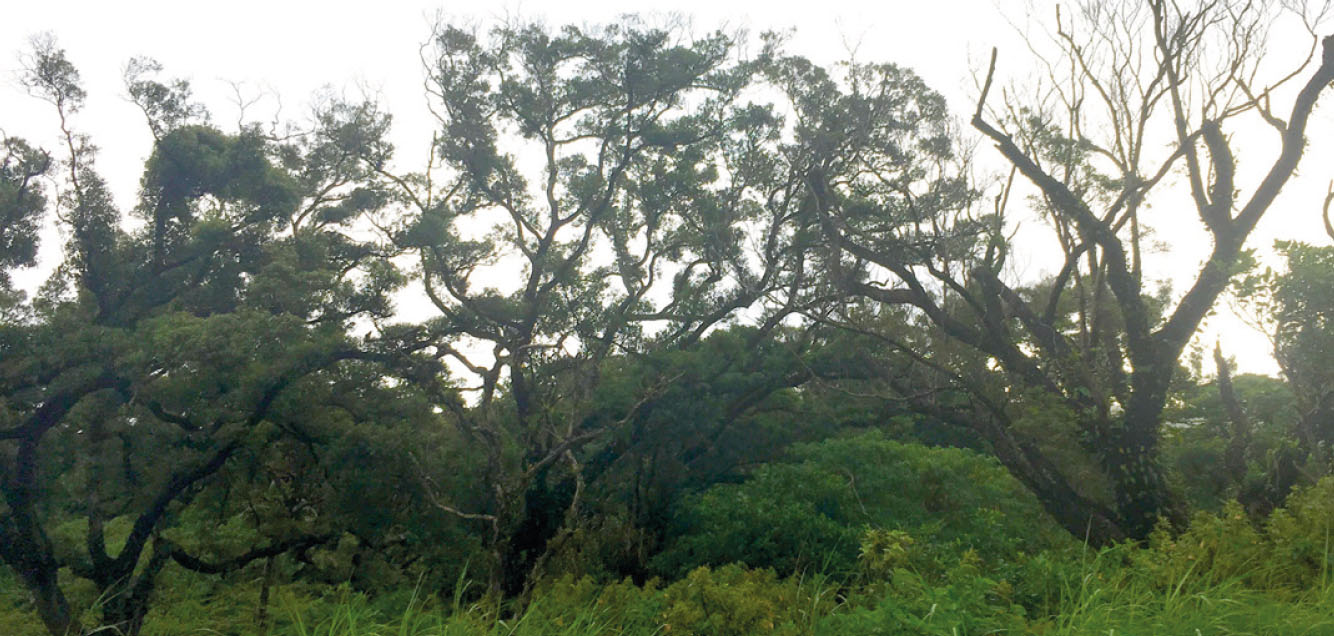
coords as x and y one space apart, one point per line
1232 438
629 197
157 356
732 405
23 204
1293 307
1302 304
812 509
1096 337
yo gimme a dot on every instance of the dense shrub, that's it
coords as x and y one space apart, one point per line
811 512
1301 536
964 601
734 601
1293 550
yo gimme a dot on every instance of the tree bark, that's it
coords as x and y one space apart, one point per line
1080 516
262 612
31 557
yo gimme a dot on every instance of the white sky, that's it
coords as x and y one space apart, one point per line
293 48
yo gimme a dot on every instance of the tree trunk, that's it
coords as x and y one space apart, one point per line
1128 451
49 600
26 549
1080 516
129 595
262 612
1234 458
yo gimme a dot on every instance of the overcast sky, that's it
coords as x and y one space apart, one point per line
291 49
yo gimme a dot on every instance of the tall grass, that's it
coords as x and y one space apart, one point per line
1123 601
1115 594
1104 594
1223 575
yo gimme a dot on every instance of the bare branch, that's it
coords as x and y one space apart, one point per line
189 562
1324 211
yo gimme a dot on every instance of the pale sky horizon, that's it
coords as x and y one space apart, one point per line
292 49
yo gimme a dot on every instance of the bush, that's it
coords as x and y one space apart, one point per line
811 512
17 617
734 601
965 601
1302 538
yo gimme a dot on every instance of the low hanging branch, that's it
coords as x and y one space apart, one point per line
185 560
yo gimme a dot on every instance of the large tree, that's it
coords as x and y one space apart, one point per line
1137 91
592 193
176 342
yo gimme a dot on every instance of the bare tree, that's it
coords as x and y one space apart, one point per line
1127 79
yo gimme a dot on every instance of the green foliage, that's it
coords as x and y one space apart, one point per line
883 551
1215 549
1221 576
198 357
733 601
22 204
809 513
16 615
965 601
1292 551
1301 536
1195 445
1104 593
1297 307
570 603
213 406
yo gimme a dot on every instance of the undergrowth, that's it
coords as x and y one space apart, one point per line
1223 575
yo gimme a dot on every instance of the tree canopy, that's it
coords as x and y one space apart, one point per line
685 298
